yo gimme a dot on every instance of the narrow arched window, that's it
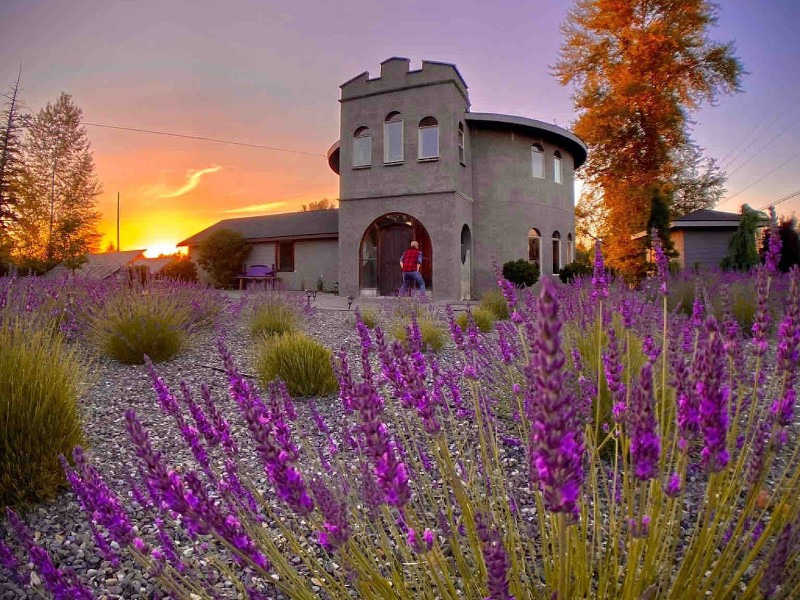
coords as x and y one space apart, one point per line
462 157
557 175
393 138
570 249
535 248
556 252
362 147
537 161
428 138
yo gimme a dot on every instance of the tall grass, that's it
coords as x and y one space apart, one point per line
274 314
41 378
132 324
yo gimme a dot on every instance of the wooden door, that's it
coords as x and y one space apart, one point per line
392 242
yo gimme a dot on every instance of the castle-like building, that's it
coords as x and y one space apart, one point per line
474 189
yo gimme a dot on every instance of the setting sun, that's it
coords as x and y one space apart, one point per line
158 248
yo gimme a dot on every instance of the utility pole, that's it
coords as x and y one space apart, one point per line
118 248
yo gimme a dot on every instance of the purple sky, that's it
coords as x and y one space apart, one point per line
268 73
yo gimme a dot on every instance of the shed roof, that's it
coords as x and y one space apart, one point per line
99 265
304 224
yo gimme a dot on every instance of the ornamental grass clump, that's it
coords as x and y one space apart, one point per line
132 324
412 314
41 378
487 476
301 362
483 318
494 301
274 314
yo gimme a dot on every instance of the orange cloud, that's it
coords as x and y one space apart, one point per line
255 208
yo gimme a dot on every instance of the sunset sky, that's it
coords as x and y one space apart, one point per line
267 73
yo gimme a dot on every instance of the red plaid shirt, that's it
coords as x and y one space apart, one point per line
411 258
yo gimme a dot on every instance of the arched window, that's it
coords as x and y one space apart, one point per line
428 138
537 161
362 147
462 157
570 249
393 138
535 248
556 252
557 175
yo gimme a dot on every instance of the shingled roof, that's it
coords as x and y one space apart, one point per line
705 214
305 224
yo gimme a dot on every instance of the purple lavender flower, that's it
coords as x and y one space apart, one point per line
639 528
773 257
643 428
62 585
662 261
613 372
11 563
787 358
778 560
389 471
336 529
713 399
599 277
496 560
762 318
556 435
674 485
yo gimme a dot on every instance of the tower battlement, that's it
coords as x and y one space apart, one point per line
396 75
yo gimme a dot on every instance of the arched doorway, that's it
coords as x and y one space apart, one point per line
466 263
383 244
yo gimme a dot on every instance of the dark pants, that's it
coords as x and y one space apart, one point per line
409 277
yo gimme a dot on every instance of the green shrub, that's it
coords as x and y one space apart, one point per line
521 272
181 269
41 377
273 315
483 317
221 256
495 301
573 270
131 324
302 363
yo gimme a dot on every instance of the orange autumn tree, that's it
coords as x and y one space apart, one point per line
639 68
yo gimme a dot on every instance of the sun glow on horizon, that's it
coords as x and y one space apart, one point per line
156 249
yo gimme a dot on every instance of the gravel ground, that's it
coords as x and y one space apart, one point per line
60 524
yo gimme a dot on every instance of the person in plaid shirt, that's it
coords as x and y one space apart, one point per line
411 263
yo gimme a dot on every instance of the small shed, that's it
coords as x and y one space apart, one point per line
98 266
701 238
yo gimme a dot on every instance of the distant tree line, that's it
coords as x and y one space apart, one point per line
48 185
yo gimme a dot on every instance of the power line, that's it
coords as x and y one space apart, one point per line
763 177
204 139
759 136
758 152
784 199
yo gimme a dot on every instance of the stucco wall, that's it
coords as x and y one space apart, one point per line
312 258
441 97
509 202
705 247
442 215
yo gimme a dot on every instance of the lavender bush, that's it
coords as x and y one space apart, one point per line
486 477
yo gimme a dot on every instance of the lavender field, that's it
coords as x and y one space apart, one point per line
598 442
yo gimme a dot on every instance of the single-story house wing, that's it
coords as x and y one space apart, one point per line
302 246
